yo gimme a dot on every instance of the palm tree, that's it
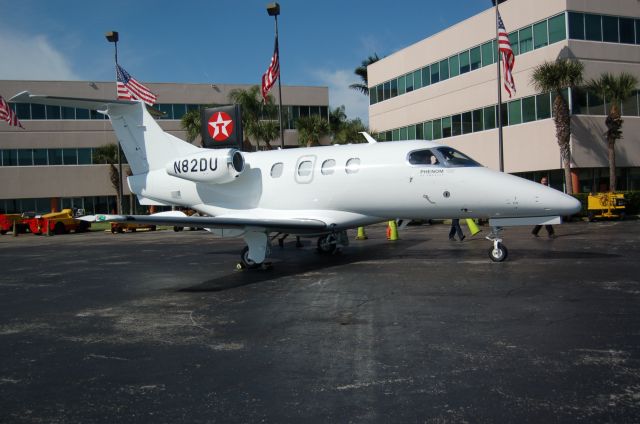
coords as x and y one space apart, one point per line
191 123
253 110
361 71
108 154
267 131
555 77
311 129
615 90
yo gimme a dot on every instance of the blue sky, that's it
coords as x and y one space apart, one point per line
216 41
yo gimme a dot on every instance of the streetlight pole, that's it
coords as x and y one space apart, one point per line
273 9
112 37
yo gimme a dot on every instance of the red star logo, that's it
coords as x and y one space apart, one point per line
220 126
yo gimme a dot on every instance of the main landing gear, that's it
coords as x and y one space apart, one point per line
498 252
332 243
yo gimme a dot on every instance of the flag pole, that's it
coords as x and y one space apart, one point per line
499 112
114 37
279 87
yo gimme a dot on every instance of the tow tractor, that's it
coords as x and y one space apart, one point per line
606 205
57 223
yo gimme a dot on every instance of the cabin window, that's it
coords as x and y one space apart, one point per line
304 169
353 165
423 157
328 167
276 170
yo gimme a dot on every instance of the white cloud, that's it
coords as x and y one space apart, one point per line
355 103
32 57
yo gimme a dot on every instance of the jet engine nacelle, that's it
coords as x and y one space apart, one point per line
215 166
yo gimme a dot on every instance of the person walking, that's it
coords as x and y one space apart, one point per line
549 228
455 229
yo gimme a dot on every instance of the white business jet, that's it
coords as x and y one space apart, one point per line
318 191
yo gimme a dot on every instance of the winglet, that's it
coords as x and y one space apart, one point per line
368 137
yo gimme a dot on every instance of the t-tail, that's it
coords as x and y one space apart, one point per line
146 145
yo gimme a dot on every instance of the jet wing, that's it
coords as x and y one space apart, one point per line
293 225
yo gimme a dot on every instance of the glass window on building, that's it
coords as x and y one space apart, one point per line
314 110
55 156
464 62
475 58
409 79
515 44
540 35
82 113
437 129
610 29
593 27
637 31
444 69
595 104
626 30
40 157
84 156
576 26
53 112
446 127
420 132
454 66
324 112
543 106
487 54
417 80
68 112
529 109
402 85
504 114
38 112
411 132
630 105
426 76
403 133
372 96
395 135
94 114
515 112
456 125
394 87
435 73
23 110
387 90
179 110
379 95
489 117
428 130
467 126
477 120
526 39
166 109
25 157
557 29
70 156
9 157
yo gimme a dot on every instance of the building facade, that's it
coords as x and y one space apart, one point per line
50 164
445 86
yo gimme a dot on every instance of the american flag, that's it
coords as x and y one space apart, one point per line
7 114
508 59
130 89
273 72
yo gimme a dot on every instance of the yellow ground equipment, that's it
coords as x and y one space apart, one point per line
606 205
57 223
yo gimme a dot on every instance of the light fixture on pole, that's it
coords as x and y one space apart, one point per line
112 37
273 9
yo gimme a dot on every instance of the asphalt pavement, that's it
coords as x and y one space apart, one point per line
160 327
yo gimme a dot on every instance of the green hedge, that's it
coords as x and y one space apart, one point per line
632 198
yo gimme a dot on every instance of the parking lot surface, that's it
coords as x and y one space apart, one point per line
160 327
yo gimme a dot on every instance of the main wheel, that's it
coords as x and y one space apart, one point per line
246 262
498 253
327 244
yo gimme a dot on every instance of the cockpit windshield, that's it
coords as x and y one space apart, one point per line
446 157
454 158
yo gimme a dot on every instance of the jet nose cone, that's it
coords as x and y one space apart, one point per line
567 205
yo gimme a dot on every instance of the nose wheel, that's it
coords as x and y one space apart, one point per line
498 252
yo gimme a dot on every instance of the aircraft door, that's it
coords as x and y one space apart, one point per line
304 169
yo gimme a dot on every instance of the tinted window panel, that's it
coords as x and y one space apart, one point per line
475 59
630 105
428 130
403 133
515 113
610 29
411 132
489 117
179 111
9 157
387 90
55 156
592 27
84 156
82 113
626 30
487 53
446 127
444 69
23 110
437 129
515 44
526 40
68 112
543 106
456 125
38 111
409 80
466 123
464 62
540 35
435 73
596 104
529 109
576 26
69 156
454 66
426 76
419 132
557 30
40 157
477 120
53 112
402 85
394 87
417 80
25 157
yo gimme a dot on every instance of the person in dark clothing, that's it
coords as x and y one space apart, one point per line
455 228
549 228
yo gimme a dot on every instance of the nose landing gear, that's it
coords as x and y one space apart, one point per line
498 252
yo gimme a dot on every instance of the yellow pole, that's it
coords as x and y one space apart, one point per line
472 226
